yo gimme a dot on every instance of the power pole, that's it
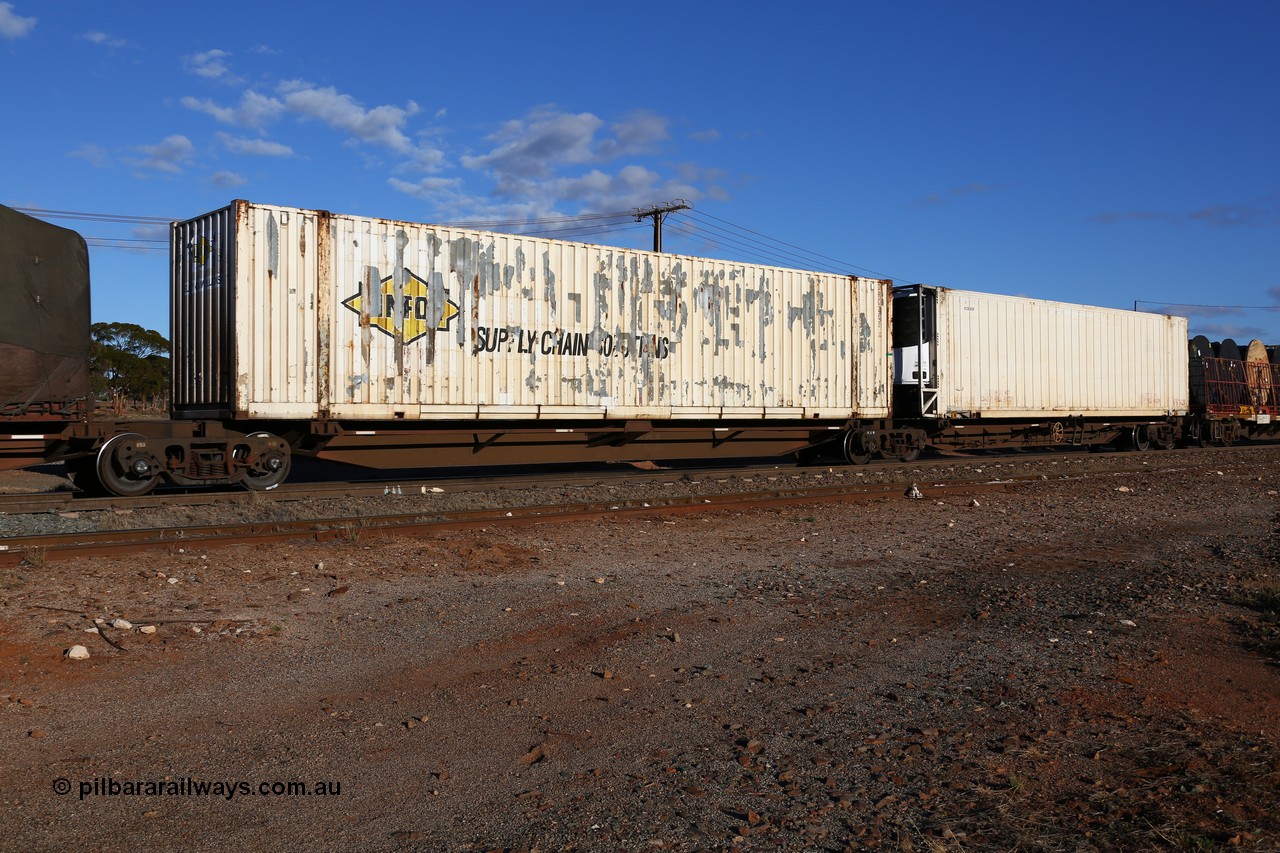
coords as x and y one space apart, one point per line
659 212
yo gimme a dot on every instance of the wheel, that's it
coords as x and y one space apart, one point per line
1140 438
124 466
856 451
911 454
271 467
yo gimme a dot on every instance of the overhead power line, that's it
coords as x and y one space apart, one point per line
1138 302
754 249
773 247
94 217
128 243
682 219
579 231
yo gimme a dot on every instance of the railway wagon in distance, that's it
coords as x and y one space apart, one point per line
394 344
44 336
980 369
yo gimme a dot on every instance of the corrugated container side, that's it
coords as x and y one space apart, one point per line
202 262
276 319
433 322
1004 356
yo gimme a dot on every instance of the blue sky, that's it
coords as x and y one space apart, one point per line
1087 152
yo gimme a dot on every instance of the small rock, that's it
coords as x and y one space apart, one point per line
913 493
37 733
147 629
77 653
599 580
437 490
337 591
173 580
1129 623
1124 489
122 624
974 502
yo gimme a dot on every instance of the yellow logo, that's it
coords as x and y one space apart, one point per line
413 314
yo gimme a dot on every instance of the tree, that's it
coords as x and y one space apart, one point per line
128 362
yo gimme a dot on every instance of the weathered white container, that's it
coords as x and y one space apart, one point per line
1013 357
298 314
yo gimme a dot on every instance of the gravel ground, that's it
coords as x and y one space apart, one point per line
1074 664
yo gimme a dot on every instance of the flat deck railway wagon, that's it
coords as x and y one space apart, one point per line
391 344
980 369
1235 392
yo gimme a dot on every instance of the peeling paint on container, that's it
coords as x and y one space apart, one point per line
433 322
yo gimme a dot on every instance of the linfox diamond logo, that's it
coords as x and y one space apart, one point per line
414 314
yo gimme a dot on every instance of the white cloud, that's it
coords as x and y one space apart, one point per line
14 26
638 132
382 125
94 154
168 155
104 39
428 189
210 64
632 186
532 158
254 147
532 146
226 180
254 110
425 157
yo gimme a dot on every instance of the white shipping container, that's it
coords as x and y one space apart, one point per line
1014 357
286 313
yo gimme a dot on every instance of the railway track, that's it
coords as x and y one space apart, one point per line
37 548
67 501
34 550
801 485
